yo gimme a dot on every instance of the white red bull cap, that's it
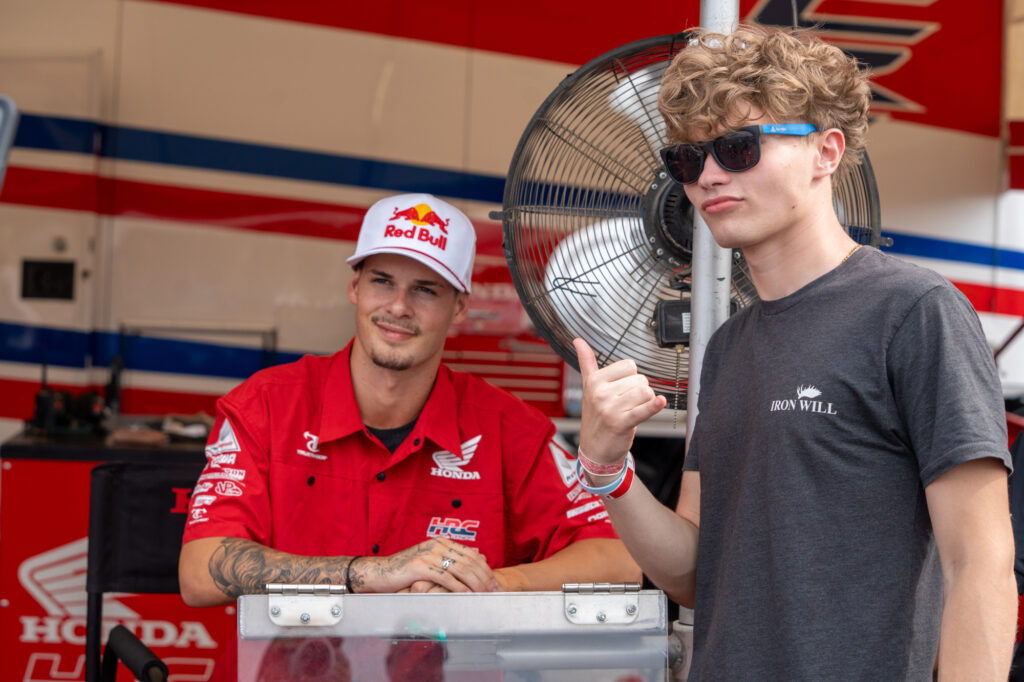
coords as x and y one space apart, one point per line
424 228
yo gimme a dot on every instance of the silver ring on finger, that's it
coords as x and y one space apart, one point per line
446 564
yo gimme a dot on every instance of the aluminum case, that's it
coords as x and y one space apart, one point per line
603 632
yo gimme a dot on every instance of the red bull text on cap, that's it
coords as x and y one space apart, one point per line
424 228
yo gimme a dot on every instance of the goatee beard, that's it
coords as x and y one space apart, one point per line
393 362
387 360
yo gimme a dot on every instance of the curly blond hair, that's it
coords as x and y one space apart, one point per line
713 82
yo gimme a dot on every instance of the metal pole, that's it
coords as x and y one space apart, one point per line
712 265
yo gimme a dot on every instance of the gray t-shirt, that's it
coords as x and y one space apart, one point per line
823 415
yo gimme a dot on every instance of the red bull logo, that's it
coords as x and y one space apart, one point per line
423 218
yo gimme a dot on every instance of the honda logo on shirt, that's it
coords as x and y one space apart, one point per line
450 465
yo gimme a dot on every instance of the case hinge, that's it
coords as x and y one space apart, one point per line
601 603
305 605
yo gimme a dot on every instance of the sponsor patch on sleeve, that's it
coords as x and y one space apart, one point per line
583 508
226 442
579 493
563 461
228 489
225 473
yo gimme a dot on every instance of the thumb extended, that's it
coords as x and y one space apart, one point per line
587 360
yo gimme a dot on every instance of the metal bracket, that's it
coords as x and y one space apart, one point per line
305 605
601 603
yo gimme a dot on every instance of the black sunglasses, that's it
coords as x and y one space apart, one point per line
735 152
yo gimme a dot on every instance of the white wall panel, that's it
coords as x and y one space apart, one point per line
30 233
58 57
174 271
504 94
43 159
1011 220
935 182
283 83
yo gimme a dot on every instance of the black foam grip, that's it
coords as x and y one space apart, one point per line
136 656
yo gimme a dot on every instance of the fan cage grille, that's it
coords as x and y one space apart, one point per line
578 192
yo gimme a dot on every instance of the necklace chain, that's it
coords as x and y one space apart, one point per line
847 256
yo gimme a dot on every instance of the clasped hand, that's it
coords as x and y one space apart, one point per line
435 565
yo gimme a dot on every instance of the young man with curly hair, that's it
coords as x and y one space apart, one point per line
844 507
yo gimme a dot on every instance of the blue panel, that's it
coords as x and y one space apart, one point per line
56 134
941 249
70 135
183 357
68 348
38 345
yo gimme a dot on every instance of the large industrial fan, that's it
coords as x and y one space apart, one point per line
599 238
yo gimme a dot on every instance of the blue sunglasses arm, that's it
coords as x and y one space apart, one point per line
787 128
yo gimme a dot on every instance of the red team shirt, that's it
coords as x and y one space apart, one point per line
290 465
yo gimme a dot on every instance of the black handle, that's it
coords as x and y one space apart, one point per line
136 656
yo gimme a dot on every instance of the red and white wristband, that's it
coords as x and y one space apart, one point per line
616 488
599 469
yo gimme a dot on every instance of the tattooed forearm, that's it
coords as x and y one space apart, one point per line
240 567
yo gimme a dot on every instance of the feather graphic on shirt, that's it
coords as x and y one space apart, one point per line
565 462
807 392
448 460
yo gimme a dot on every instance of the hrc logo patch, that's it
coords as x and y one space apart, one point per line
453 529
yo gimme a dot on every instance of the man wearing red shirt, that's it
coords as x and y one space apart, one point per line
383 470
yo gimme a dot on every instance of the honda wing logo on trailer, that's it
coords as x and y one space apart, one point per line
56 580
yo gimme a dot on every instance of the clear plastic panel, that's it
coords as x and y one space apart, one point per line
509 636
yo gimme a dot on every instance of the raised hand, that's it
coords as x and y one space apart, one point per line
615 400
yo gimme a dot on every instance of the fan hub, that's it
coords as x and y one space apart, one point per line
668 221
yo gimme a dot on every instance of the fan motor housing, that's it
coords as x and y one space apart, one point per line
668 221
672 323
